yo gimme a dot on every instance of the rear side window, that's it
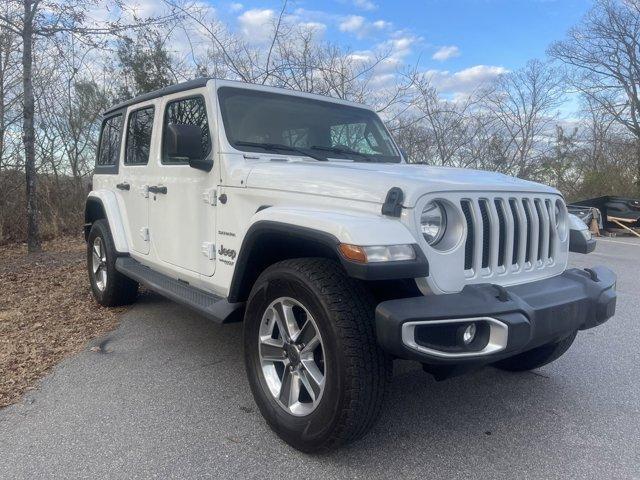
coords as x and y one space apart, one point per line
109 148
139 129
188 111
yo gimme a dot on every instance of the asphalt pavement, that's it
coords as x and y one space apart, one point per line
168 398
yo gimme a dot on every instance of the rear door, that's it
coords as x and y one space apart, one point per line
139 138
182 199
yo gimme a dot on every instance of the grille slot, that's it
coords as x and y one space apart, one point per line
527 214
502 232
468 246
486 232
552 229
508 234
516 231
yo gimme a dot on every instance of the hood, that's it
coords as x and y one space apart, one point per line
370 182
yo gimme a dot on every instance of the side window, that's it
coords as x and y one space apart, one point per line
109 148
188 111
138 141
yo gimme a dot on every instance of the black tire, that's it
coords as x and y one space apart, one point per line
537 357
118 289
357 370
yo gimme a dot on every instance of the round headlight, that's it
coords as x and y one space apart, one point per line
561 220
433 222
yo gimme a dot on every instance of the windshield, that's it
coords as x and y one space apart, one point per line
264 121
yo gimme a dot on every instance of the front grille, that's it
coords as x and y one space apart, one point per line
509 234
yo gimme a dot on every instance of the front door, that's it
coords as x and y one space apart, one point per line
181 198
139 142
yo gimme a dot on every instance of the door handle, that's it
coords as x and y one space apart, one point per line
123 186
157 189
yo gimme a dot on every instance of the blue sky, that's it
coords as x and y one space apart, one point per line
461 41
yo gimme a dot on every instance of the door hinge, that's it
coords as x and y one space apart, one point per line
209 250
144 233
210 196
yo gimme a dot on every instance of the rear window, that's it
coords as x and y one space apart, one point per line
110 136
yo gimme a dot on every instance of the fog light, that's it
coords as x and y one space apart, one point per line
469 334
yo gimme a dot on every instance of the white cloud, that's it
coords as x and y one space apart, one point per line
236 7
317 27
360 57
352 24
364 4
361 27
255 24
446 52
464 81
395 51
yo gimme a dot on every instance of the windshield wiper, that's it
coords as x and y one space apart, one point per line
343 151
280 146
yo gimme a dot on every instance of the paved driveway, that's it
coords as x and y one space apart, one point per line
169 399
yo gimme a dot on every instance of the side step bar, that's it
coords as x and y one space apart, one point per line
207 304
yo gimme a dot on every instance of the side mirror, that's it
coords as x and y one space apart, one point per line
184 143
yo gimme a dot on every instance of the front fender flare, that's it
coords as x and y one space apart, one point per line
330 229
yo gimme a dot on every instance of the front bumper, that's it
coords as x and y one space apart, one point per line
534 314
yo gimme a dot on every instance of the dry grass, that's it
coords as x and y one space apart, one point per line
47 312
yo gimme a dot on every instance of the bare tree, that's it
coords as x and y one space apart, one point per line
10 79
34 19
603 53
448 123
523 106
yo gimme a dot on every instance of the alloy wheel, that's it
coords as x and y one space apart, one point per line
99 264
292 356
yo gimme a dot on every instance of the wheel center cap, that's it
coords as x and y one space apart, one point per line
293 353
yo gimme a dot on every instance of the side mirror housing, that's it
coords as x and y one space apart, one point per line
184 143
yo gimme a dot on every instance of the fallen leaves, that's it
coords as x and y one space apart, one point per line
47 312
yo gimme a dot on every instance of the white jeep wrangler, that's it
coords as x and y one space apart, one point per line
298 215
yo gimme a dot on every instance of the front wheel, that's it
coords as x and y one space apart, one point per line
314 367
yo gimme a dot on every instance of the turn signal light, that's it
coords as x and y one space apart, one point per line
353 253
377 253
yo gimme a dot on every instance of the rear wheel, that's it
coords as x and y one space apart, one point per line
537 357
110 288
314 367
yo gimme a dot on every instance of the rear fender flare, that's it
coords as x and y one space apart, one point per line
109 205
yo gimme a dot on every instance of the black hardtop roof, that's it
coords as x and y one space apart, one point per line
179 87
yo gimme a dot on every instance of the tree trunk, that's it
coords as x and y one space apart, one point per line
638 167
28 131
